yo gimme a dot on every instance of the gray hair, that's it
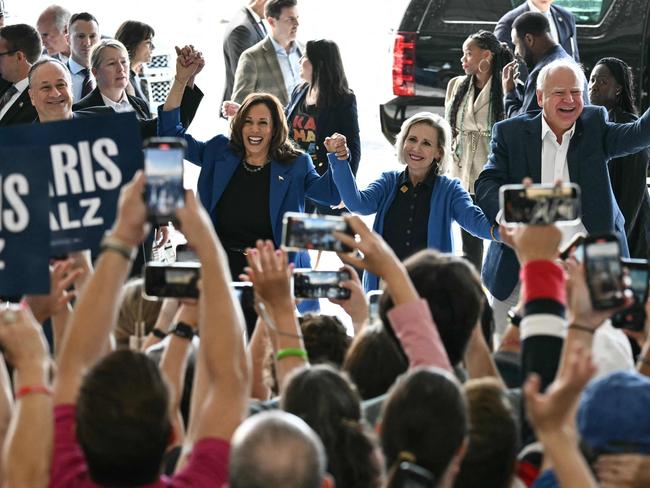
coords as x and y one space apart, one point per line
43 61
96 55
58 15
444 137
566 63
276 448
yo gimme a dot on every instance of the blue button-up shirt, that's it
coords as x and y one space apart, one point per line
289 64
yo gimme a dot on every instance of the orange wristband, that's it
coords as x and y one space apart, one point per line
28 390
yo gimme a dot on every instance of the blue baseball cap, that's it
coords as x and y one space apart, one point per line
614 413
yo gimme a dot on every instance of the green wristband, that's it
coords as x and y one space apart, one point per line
290 352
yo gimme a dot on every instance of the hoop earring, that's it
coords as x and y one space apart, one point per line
484 70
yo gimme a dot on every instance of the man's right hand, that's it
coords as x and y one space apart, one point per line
509 76
532 242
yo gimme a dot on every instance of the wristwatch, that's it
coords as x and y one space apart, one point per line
515 318
182 330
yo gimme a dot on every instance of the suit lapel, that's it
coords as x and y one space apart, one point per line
572 160
271 59
280 181
222 175
483 97
15 108
534 148
254 24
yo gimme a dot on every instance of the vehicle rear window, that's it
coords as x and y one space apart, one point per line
587 12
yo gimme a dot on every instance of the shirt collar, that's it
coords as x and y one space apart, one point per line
75 67
22 85
122 105
533 8
257 18
428 181
280 50
546 129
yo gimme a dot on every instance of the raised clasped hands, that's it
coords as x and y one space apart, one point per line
189 62
337 144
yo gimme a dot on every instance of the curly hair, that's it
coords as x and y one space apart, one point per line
501 55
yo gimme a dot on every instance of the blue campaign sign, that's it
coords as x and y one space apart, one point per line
24 221
90 159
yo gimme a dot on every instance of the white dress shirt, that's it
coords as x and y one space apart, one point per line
121 106
21 86
77 79
555 167
289 64
551 20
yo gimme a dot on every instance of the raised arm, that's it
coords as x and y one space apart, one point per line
222 395
98 304
362 202
410 316
27 449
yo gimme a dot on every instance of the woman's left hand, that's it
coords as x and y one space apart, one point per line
337 144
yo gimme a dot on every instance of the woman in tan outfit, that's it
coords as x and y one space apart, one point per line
474 102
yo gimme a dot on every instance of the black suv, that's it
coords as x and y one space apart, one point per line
428 46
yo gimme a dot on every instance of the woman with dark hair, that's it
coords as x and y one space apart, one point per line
424 428
611 86
322 105
137 37
474 103
249 181
330 404
415 207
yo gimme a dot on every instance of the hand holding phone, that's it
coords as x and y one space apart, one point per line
633 317
540 204
305 232
320 284
163 167
604 271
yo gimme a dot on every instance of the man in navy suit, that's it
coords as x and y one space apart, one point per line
244 30
562 24
534 44
566 142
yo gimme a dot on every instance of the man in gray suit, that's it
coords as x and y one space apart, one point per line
244 30
272 65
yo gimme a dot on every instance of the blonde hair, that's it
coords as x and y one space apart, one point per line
444 137
97 54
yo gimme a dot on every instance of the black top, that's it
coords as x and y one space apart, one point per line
302 130
407 220
242 214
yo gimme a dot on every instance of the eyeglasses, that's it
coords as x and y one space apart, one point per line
9 52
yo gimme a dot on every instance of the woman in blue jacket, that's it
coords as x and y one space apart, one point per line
414 207
249 181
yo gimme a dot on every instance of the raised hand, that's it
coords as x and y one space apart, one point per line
270 272
337 144
62 275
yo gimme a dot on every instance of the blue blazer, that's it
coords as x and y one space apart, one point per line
564 21
290 182
516 153
341 117
449 201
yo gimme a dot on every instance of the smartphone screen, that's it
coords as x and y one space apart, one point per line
320 284
540 204
633 317
604 273
304 232
178 281
164 192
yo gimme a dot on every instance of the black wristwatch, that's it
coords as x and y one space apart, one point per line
159 334
182 330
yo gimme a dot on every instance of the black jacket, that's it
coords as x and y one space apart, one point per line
148 124
21 111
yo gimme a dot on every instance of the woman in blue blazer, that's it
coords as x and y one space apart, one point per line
248 182
415 207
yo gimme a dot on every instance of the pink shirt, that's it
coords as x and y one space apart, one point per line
207 465
418 334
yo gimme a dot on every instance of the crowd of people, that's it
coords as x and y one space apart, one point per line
499 373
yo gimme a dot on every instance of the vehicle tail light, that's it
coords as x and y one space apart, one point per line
404 64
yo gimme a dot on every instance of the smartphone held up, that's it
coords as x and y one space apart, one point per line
163 168
302 232
540 204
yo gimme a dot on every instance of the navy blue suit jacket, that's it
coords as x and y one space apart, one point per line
341 117
516 153
564 21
